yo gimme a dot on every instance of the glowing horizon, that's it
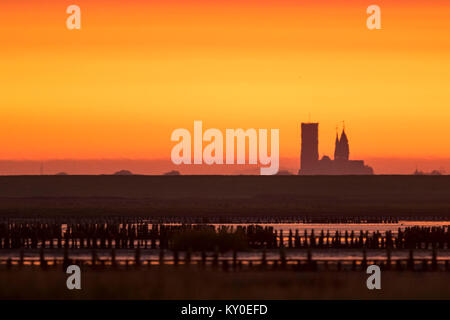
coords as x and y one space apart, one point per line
137 70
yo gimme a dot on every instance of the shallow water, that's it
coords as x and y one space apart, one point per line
326 254
342 227
153 254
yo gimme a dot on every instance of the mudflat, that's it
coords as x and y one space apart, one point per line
421 196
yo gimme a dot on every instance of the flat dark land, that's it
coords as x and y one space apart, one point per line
225 195
194 283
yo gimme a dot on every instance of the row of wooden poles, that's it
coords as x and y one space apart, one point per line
235 263
145 235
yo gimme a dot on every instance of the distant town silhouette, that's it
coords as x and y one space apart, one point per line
310 163
341 165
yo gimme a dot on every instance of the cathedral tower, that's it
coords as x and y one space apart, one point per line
310 147
342 149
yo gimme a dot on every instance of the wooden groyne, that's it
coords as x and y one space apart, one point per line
206 237
234 263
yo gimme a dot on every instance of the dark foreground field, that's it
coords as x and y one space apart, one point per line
225 195
172 283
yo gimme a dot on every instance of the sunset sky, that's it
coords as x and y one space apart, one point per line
137 70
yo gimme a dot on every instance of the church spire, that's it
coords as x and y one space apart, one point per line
336 145
344 146
341 149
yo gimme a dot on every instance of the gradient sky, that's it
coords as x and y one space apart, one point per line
137 70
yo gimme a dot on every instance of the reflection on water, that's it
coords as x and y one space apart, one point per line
152 254
256 254
342 227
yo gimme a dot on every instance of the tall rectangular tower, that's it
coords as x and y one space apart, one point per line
310 148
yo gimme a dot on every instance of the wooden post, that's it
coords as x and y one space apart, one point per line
21 257
187 257
410 264
94 258
434 265
364 261
203 263
215 262
282 258
161 257
43 262
388 261
137 257
263 259
113 258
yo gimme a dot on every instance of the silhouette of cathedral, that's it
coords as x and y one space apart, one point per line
341 165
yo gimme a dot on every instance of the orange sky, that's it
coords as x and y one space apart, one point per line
140 69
